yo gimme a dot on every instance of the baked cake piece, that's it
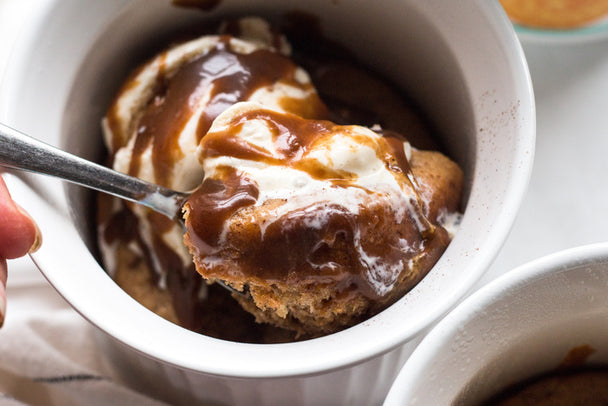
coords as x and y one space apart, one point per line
321 224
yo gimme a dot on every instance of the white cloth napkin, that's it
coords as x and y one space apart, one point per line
48 352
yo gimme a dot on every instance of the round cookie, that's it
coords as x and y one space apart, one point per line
557 14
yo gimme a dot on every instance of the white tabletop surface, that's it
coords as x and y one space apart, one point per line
567 200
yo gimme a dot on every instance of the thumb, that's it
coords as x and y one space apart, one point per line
19 234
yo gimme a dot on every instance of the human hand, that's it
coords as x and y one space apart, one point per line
19 235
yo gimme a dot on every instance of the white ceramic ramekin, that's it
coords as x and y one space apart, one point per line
460 62
520 325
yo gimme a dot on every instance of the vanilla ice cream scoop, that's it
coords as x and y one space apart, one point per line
165 108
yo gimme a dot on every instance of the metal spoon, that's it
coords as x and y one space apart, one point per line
20 151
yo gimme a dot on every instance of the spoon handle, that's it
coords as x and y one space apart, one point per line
19 151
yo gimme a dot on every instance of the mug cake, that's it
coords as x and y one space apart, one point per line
316 221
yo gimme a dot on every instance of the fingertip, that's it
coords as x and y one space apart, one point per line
19 233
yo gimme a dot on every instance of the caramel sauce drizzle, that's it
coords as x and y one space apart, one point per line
225 77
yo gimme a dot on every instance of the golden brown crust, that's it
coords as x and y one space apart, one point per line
134 277
304 309
440 181
221 317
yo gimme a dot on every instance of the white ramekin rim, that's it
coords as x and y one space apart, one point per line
423 357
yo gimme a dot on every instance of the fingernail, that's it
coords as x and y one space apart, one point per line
38 236
2 304
37 240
